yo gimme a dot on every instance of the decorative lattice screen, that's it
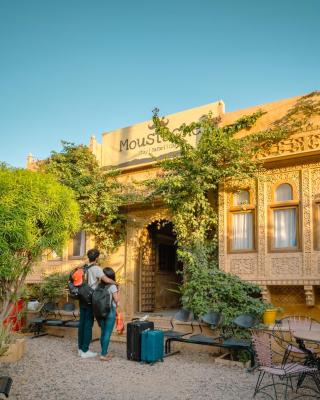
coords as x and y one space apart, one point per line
147 275
287 295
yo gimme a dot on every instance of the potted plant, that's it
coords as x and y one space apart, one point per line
12 347
270 315
5 340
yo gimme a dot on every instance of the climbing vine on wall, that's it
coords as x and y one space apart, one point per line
189 183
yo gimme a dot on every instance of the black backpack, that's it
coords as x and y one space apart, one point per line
101 301
82 291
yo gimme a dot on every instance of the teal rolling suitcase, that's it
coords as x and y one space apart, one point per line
151 346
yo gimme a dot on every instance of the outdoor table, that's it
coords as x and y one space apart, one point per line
312 359
311 337
308 336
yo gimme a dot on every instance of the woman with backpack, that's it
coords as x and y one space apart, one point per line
106 319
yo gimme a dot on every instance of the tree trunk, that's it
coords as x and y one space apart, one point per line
11 292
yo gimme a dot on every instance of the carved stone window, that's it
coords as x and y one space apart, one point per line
241 198
284 192
284 219
241 237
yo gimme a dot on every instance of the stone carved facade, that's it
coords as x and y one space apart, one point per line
243 266
299 143
267 267
285 266
283 274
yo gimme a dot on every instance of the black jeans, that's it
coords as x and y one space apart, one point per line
85 328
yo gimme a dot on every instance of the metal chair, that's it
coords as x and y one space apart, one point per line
52 308
240 325
37 322
42 320
214 320
262 344
182 315
241 322
72 323
5 385
246 321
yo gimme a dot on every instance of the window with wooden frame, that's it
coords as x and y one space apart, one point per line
284 219
242 222
77 246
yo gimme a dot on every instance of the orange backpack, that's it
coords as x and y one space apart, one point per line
78 284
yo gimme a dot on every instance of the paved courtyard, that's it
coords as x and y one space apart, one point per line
51 370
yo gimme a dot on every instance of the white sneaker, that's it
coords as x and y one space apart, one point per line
79 352
88 354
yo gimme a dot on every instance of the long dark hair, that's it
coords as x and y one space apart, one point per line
109 272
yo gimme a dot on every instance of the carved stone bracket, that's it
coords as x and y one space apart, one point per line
266 295
310 295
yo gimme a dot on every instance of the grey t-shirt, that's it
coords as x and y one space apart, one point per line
94 275
113 289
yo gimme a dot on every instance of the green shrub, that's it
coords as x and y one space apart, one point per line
206 288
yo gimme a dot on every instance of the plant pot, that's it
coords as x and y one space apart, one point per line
270 316
15 351
33 305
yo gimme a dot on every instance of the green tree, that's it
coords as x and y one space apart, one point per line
189 186
98 192
36 213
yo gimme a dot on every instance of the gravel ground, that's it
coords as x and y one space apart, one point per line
52 370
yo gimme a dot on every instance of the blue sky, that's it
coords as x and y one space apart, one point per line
70 68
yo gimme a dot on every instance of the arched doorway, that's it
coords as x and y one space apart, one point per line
159 280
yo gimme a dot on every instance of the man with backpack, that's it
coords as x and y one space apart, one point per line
93 275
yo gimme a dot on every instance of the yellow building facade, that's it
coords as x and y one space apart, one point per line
269 229
274 239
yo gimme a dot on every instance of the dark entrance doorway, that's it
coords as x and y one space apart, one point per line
158 269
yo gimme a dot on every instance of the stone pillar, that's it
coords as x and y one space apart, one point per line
131 267
306 228
266 295
92 144
95 148
29 164
222 226
261 226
